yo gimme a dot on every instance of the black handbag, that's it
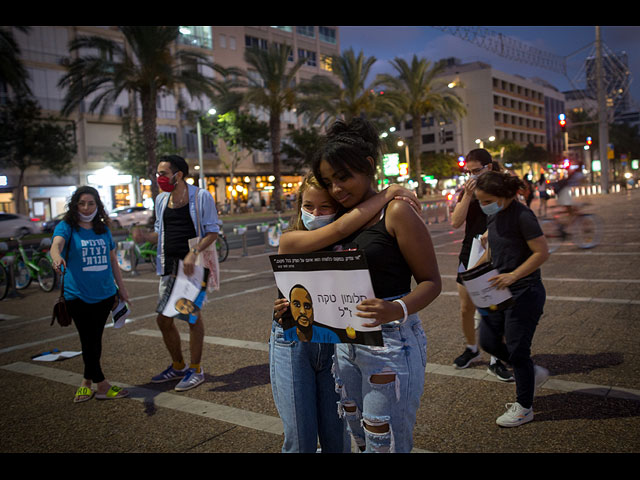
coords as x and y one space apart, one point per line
60 311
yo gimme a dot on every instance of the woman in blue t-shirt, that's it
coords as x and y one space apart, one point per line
517 248
83 250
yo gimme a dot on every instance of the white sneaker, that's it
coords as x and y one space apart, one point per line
515 415
541 375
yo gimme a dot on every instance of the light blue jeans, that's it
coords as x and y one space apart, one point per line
304 392
390 406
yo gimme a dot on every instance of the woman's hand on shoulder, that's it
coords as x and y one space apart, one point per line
397 192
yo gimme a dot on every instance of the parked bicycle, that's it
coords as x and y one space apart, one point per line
584 229
145 252
38 266
222 246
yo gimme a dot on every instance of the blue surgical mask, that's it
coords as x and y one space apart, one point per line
491 209
311 222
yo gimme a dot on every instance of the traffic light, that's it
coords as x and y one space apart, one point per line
562 121
461 162
589 141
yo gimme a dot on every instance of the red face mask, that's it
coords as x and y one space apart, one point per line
165 183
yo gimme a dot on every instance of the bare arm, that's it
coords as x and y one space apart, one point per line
416 246
305 241
459 214
57 245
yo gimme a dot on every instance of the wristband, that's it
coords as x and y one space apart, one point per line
404 309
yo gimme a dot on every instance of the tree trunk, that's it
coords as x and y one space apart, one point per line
21 207
274 124
414 154
149 115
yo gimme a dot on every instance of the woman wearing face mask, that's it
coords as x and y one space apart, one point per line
380 387
517 248
301 372
83 250
468 212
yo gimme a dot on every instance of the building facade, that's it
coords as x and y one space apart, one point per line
45 54
500 106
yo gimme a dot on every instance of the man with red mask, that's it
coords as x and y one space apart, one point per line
176 223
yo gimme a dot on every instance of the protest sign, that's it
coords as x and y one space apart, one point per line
323 290
184 296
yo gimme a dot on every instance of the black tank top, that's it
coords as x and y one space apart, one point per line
178 229
390 273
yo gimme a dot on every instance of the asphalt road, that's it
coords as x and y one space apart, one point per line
587 338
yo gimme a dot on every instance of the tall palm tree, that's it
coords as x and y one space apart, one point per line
417 91
349 98
147 65
274 89
12 71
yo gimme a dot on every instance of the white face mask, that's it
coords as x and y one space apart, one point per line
311 222
88 218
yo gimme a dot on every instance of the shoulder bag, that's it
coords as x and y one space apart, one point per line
60 312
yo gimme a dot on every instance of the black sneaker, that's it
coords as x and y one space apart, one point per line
500 371
466 358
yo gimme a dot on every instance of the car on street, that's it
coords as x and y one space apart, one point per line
127 216
14 224
48 226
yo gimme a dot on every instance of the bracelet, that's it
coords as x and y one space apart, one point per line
404 309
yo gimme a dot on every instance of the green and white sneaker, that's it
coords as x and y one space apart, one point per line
515 415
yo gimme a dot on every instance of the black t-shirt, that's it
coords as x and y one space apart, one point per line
178 229
509 231
475 224
390 273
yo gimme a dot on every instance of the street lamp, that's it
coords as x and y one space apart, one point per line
211 111
480 141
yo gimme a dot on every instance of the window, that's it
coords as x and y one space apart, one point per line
428 138
310 56
196 36
325 62
327 34
284 29
250 42
306 31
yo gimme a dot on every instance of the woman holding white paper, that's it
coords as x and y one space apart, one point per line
516 248
467 212
380 387
301 372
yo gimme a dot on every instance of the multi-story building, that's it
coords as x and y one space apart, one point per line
45 54
499 106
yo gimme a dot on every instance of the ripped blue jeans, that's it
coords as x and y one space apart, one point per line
380 387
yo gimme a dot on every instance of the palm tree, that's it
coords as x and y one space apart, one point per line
12 71
275 90
417 91
147 65
351 98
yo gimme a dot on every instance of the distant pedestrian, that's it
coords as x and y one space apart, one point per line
516 248
542 195
83 250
